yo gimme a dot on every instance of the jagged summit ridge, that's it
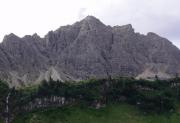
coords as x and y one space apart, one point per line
87 49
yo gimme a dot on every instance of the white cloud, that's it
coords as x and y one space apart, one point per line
29 16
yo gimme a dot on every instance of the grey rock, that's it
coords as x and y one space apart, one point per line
87 49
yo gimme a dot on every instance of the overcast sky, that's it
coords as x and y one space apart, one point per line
26 17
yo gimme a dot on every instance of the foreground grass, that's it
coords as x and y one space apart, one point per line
114 113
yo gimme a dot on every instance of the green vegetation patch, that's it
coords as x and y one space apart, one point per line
113 113
1 121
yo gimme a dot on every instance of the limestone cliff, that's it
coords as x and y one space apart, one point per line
86 49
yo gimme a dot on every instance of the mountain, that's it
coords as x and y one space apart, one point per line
87 49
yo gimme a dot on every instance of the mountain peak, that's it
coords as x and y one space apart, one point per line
152 34
90 18
10 37
125 28
92 23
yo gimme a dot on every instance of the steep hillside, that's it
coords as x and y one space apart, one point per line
87 49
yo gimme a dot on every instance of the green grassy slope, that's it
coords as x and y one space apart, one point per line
114 113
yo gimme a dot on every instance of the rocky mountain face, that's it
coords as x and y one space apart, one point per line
85 50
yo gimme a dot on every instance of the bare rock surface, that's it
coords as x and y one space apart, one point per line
87 49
